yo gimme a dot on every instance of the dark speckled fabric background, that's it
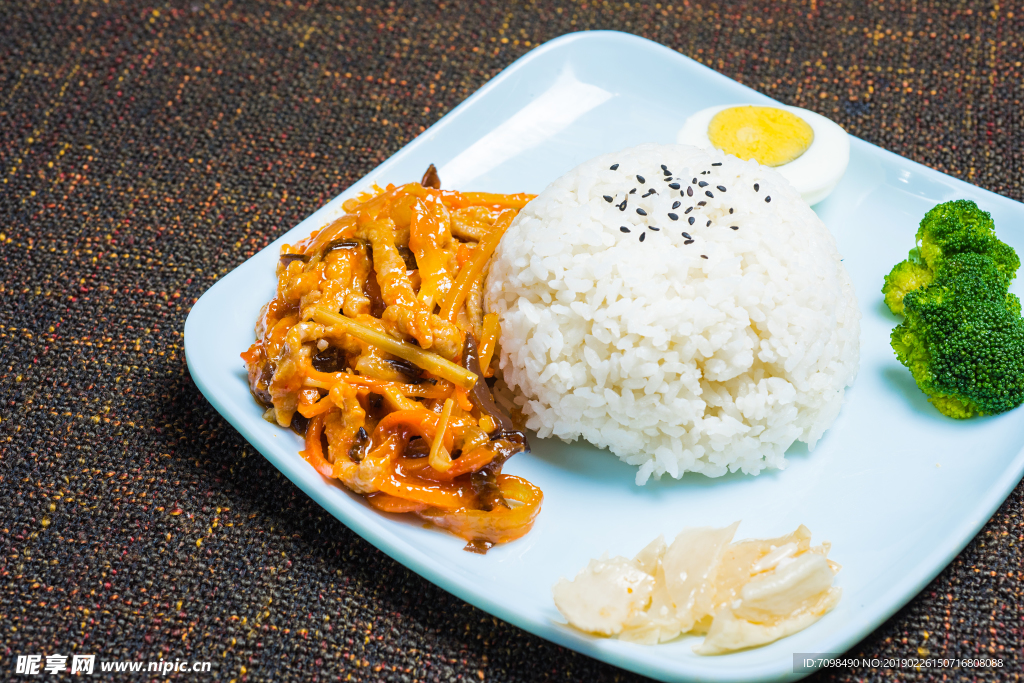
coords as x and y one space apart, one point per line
148 148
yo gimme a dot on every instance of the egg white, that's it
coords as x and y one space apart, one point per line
814 174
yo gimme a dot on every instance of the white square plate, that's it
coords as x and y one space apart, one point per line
897 488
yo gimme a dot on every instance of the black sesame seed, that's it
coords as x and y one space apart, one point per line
608 199
767 199
692 220
702 184
688 210
703 256
721 188
641 212
623 229
708 193
701 203
651 227
674 186
642 236
689 191
649 192
734 227
640 179
693 182
664 167
673 216
614 167
633 191
668 173
717 163
690 241
687 235
757 187
708 225
675 205
730 210
622 206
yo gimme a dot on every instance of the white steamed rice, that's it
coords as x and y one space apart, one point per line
674 362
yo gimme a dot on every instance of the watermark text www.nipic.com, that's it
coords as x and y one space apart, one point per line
31 665
805 662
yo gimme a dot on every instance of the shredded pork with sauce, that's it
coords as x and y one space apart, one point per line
371 350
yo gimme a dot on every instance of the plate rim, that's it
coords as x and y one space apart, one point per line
874 613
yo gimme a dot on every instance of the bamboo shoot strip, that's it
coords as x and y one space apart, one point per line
398 401
431 362
440 459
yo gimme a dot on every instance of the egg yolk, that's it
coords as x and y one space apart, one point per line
770 136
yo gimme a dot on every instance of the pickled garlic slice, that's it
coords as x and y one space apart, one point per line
741 595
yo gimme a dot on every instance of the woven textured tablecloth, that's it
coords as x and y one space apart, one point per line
146 149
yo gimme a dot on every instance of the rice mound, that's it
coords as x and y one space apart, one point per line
675 362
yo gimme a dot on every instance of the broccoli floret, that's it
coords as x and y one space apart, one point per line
960 227
957 227
905 276
963 337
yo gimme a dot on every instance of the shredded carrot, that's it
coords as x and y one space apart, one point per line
462 399
318 408
393 504
460 200
464 464
499 525
422 421
342 227
314 452
464 255
488 340
457 296
437 494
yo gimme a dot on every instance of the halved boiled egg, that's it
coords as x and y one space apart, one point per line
809 150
